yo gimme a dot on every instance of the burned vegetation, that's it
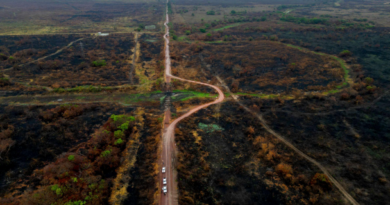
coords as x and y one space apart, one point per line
75 155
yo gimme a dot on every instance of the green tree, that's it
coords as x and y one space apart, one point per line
210 13
202 30
188 32
233 12
208 35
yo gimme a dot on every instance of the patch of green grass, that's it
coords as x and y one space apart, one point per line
293 46
220 41
99 63
182 38
90 89
210 128
162 99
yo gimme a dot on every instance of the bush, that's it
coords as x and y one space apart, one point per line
345 53
99 63
210 13
304 20
233 12
119 134
188 32
119 141
368 80
105 153
284 169
124 126
71 158
202 30
273 38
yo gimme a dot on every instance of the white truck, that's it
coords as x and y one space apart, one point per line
164 189
165 181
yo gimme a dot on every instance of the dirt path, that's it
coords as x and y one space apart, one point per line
168 152
287 143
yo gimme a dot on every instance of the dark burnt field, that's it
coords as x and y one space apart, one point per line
349 139
15 50
36 135
77 153
258 67
92 60
226 157
370 48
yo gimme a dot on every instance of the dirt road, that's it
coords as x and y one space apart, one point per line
168 151
287 143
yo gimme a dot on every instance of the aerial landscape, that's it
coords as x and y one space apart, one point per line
170 102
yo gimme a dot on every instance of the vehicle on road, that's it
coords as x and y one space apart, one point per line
163 170
165 180
164 189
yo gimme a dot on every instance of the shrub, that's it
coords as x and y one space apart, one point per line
263 18
71 158
210 13
210 128
119 134
344 96
124 126
202 30
76 202
208 35
122 118
99 63
119 141
188 32
304 20
56 188
105 153
345 53
283 169
233 12
273 38
368 80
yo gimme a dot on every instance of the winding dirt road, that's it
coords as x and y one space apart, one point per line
168 151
